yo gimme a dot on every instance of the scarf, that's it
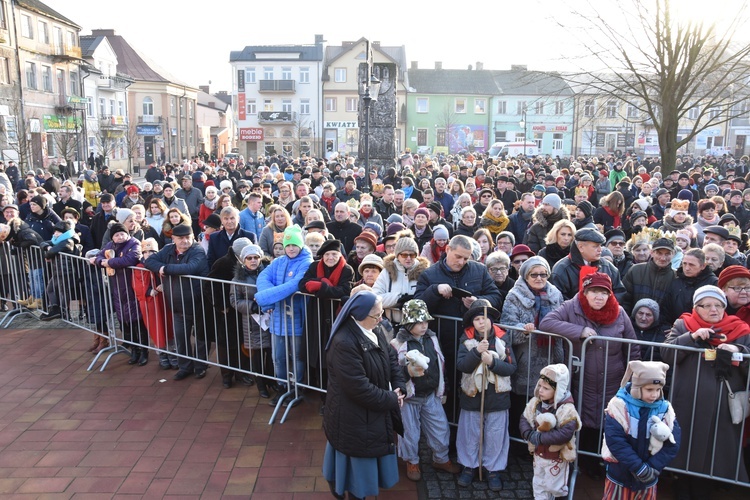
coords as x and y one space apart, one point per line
496 225
731 326
210 204
615 215
408 190
436 250
497 331
328 203
64 236
365 215
580 223
669 224
335 274
705 222
604 316
540 311
657 408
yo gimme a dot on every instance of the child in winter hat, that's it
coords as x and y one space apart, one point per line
549 424
423 364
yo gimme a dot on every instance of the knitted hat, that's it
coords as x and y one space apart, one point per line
293 236
531 263
371 260
636 215
732 272
436 207
478 308
117 228
132 189
585 177
406 244
395 218
586 207
123 214
422 211
213 221
597 280
606 252
685 194
476 250
642 203
251 250
375 228
640 373
328 246
709 291
439 232
239 244
651 304
711 187
368 238
392 230
39 200
683 235
552 200
539 187
558 377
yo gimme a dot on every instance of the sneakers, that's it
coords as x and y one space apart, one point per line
412 472
164 362
466 477
448 467
200 373
494 482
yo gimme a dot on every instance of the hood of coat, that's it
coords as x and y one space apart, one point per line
404 335
544 220
394 268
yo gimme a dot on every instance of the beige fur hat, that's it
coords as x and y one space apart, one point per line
641 373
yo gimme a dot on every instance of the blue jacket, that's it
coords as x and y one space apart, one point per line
277 285
252 223
219 243
518 226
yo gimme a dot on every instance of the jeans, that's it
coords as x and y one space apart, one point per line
37 282
280 356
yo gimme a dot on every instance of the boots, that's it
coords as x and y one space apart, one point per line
93 347
262 388
135 355
103 344
144 357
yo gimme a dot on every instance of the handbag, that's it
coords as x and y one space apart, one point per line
739 404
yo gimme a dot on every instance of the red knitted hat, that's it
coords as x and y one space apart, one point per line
731 273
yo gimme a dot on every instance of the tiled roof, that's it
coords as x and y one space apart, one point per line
523 82
306 52
452 81
41 8
89 45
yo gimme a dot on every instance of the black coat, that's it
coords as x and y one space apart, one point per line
361 402
345 232
565 274
679 296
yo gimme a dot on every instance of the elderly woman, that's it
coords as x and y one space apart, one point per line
559 240
397 284
498 265
366 390
466 224
705 375
456 213
370 269
734 281
595 312
527 303
408 211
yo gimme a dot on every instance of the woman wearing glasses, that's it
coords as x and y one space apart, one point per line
594 312
397 284
703 382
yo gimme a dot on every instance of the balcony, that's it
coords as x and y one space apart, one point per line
112 82
284 86
67 52
115 122
149 119
276 117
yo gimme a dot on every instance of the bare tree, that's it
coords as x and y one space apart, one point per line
66 137
18 134
301 134
447 120
132 143
666 67
106 140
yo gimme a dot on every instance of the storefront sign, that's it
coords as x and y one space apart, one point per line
148 129
549 128
54 123
241 104
333 124
251 134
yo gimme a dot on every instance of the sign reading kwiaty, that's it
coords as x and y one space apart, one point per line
331 124
251 134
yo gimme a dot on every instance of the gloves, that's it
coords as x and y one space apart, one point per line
533 437
646 474
404 298
326 281
313 286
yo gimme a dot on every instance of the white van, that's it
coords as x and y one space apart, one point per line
511 149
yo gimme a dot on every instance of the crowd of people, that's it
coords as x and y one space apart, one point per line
331 263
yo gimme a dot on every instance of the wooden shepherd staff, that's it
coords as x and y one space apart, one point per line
481 406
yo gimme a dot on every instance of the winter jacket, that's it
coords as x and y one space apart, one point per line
679 296
395 285
181 292
277 285
625 263
433 380
268 237
601 216
553 253
565 274
91 191
424 238
567 419
193 199
519 223
361 404
179 204
569 322
542 224
219 243
254 223
646 281
67 271
127 254
242 298
345 232
43 223
531 357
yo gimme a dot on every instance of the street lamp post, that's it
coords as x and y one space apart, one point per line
371 90
522 124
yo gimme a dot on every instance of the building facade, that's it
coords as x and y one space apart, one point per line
216 124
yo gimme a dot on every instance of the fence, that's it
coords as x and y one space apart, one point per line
180 318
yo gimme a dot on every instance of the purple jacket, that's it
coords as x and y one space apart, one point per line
605 363
127 255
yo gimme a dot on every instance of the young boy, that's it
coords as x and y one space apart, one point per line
633 466
484 355
553 445
424 391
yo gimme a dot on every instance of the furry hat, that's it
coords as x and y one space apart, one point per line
558 377
679 206
640 373
150 245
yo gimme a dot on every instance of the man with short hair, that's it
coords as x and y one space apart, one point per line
442 196
651 279
621 258
101 219
385 206
506 194
67 202
342 228
251 218
521 219
220 241
193 199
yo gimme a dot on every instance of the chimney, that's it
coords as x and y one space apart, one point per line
376 45
204 88
438 64
518 67
319 40
414 65
469 67
103 32
480 66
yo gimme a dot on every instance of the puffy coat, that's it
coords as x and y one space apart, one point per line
242 298
646 281
43 223
679 296
569 321
361 402
395 281
518 310
127 254
193 199
542 224
277 285
181 293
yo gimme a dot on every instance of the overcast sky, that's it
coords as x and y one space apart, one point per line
193 40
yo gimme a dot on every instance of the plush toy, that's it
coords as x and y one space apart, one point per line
660 432
545 423
416 363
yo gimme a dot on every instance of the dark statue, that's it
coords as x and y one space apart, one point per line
383 114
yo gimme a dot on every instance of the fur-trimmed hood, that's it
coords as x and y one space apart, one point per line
390 265
545 220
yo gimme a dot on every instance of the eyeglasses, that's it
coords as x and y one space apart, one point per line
706 307
408 255
496 270
252 257
379 315
537 276
486 196
740 289
617 243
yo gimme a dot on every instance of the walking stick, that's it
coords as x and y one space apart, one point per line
481 407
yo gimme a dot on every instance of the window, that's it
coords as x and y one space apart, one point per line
267 105
112 107
286 105
713 113
75 88
89 107
520 107
339 75
4 67
423 104
121 108
26 29
148 106
103 107
538 138
43 32
557 142
46 78
500 136
589 108
632 111
58 36
286 72
480 106
440 137
182 107
3 25
249 75
502 107
421 137
352 104
72 39
31 75
172 106
304 107
190 109
612 109
61 82
304 74
559 107
268 72
460 105
330 104
539 107
252 107
51 145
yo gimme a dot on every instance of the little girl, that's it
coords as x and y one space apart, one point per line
484 347
549 424
633 466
